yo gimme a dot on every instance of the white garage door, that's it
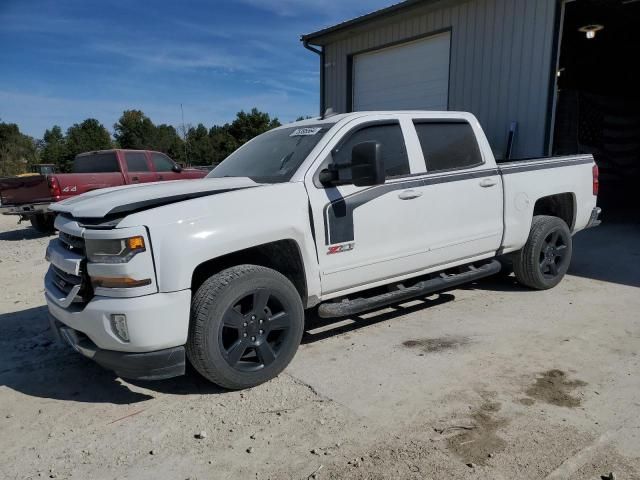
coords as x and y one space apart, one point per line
410 76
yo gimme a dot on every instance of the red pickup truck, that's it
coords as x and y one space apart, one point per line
30 196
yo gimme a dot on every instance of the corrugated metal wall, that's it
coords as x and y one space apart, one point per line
501 61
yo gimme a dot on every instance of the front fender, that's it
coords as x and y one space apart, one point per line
207 228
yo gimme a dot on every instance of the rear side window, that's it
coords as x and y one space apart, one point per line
96 163
161 163
136 162
394 151
448 145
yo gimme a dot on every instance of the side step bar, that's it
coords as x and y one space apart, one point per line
424 288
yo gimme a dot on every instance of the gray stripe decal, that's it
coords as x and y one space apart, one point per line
162 201
508 169
338 214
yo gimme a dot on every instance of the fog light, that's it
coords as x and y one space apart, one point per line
119 326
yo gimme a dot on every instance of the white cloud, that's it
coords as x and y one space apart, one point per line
178 56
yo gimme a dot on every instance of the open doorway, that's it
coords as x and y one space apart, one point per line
598 99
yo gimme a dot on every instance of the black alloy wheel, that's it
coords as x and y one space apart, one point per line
553 254
246 325
254 329
544 260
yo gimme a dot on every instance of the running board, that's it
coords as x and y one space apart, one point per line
421 289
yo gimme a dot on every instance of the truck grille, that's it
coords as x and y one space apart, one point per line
66 281
72 242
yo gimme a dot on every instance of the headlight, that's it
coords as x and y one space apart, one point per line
114 251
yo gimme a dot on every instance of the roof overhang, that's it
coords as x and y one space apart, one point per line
316 38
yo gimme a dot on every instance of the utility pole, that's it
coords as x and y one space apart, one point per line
184 138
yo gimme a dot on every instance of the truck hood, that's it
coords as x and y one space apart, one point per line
120 201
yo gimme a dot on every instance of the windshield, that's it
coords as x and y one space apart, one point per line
272 157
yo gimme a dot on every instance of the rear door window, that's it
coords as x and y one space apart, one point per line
448 145
394 151
136 162
96 163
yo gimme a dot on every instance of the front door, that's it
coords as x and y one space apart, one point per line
164 167
366 234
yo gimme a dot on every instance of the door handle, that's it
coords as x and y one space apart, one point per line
409 195
134 179
160 177
487 182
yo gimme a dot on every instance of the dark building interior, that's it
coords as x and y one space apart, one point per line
598 103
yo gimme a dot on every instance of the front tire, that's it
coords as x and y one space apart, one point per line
246 325
545 258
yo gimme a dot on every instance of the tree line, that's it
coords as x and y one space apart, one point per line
197 145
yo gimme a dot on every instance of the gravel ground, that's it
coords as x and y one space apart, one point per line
491 381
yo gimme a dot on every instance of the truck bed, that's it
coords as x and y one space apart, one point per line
524 181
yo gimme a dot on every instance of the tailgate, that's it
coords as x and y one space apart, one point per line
23 190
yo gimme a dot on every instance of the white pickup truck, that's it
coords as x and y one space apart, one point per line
343 214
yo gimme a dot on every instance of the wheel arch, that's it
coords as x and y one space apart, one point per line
561 205
283 256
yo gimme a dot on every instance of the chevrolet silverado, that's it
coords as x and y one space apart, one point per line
342 214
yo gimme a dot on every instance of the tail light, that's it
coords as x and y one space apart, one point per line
596 180
54 187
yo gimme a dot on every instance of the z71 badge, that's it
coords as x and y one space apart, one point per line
347 247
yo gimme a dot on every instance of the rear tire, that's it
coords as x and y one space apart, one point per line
43 222
246 326
545 258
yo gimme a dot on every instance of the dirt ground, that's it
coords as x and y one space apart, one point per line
486 382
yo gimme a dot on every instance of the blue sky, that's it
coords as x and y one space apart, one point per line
62 61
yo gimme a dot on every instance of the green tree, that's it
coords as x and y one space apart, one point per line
249 125
222 143
17 151
53 148
167 140
134 130
200 148
85 137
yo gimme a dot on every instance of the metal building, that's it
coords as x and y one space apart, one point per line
558 74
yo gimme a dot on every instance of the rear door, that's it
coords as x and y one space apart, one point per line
164 166
138 167
461 202
366 234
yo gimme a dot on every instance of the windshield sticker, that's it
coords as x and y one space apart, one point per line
302 132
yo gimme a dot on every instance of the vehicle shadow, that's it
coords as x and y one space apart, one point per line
33 363
610 253
317 329
22 233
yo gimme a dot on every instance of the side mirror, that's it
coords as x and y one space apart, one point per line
367 164
177 167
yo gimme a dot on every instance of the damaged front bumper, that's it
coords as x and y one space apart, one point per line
157 365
